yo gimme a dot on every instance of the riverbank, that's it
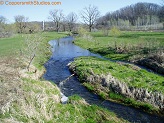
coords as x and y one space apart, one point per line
143 48
22 89
122 83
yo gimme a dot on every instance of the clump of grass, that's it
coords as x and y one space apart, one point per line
88 86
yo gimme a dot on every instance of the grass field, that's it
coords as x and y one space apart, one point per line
9 46
16 46
127 46
12 45
41 98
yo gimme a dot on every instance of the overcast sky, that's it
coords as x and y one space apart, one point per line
41 12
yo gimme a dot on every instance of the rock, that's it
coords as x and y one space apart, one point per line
64 99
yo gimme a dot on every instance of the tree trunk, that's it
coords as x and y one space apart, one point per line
28 67
57 26
90 28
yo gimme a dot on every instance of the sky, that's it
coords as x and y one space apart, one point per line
41 12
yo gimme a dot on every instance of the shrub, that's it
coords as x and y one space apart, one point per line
115 32
82 31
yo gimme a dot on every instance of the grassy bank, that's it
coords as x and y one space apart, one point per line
12 45
24 99
129 46
130 74
19 46
27 100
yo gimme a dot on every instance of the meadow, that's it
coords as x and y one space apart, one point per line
13 44
123 45
41 98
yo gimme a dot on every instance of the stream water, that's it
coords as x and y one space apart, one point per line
63 52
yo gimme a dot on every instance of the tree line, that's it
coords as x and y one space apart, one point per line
137 15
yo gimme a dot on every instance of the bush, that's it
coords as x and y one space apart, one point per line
5 30
115 32
82 31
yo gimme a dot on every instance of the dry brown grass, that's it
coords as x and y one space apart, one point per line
24 100
158 57
31 100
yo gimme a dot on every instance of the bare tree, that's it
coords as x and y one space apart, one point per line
33 27
142 15
56 16
6 30
31 47
64 24
2 19
71 18
89 15
161 15
21 22
2 26
2 23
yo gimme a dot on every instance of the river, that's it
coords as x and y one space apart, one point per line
63 52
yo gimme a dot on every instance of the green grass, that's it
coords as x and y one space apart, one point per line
109 95
44 48
129 74
131 44
45 107
28 100
9 46
129 101
128 46
12 45
134 77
